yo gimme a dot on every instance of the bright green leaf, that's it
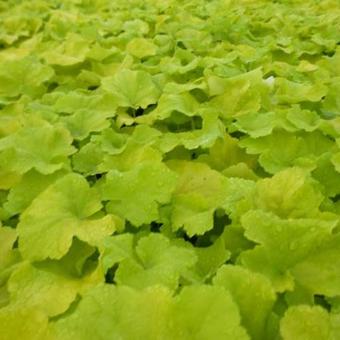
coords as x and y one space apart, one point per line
136 194
48 225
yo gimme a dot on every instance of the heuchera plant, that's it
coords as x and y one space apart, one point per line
169 170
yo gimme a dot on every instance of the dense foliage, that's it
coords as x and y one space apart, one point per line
169 169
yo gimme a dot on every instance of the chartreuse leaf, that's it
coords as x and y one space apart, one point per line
211 130
199 192
240 170
17 24
299 295
192 212
71 51
133 155
140 47
198 312
29 286
281 280
121 312
7 256
319 272
132 88
31 185
282 243
336 161
304 119
331 104
8 178
326 173
99 53
115 249
139 148
251 291
211 127
292 119
23 76
206 312
235 241
51 286
156 262
82 123
43 147
226 152
209 259
306 322
237 95
181 63
335 304
292 92
48 225
24 323
88 159
299 199
81 100
257 125
113 142
136 194
335 324
281 149
169 103
239 198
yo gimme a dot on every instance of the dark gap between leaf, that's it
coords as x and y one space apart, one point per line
110 274
155 227
320 300
93 87
237 134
